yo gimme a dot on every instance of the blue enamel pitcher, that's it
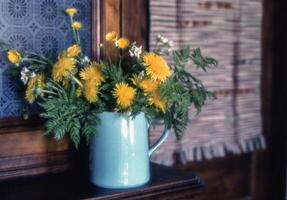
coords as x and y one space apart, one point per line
119 152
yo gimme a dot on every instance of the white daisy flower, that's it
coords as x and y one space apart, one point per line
135 51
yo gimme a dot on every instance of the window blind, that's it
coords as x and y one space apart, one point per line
230 31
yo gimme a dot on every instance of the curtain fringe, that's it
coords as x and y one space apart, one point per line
218 150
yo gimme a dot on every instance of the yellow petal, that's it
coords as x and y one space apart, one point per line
34 83
122 43
124 95
14 56
62 68
111 36
90 91
77 25
92 72
156 100
156 67
73 50
71 11
148 85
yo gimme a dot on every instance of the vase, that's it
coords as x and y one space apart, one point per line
119 152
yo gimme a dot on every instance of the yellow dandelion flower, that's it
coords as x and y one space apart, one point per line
37 82
62 68
148 85
111 36
92 72
156 67
124 95
122 43
71 11
156 100
14 56
90 91
77 25
73 51
63 54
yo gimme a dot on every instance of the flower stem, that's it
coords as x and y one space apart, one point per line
76 80
35 60
48 92
74 32
37 55
57 89
78 37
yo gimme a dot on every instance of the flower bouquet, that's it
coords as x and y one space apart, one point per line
74 89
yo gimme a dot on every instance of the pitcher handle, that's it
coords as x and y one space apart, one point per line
162 138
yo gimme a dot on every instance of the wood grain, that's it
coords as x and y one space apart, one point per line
10 123
134 21
25 153
97 32
28 142
111 22
34 164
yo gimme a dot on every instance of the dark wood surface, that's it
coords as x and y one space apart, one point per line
166 183
227 178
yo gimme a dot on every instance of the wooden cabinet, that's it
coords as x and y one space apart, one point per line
24 151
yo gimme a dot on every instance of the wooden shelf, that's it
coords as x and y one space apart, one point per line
166 183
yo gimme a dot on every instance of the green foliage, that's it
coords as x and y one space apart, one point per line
202 62
182 89
113 72
68 114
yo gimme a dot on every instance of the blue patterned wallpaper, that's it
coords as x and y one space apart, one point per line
40 26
